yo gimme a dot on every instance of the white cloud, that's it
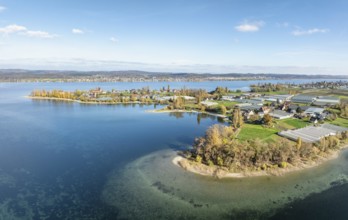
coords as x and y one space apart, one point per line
309 31
247 26
18 29
77 31
114 39
2 8
13 28
39 34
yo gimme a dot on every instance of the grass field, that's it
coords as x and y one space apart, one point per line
340 122
291 123
330 92
192 106
251 131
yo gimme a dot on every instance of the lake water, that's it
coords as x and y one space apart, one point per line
61 160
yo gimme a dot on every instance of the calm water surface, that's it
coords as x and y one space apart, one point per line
72 161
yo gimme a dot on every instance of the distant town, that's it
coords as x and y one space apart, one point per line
19 75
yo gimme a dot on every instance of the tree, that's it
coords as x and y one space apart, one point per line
178 103
237 119
223 109
213 136
254 118
267 119
299 110
344 110
299 143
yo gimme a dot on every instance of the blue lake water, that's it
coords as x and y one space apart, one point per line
61 160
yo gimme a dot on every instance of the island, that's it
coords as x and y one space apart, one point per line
272 129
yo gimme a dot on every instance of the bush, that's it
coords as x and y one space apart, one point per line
198 159
283 164
220 161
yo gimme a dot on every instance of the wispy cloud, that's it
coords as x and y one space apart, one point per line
301 32
114 39
13 28
18 29
39 34
2 8
248 26
77 31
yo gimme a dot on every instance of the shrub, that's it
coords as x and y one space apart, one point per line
283 164
198 159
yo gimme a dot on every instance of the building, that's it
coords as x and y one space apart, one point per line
292 108
228 98
208 103
187 98
163 98
326 101
94 93
249 107
278 98
312 111
279 114
264 111
303 99
313 134
250 101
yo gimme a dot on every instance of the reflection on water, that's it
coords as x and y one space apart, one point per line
147 187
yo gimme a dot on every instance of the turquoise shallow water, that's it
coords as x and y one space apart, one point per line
147 187
71 161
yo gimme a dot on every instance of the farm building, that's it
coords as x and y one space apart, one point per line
326 101
313 134
303 99
278 98
314 111
279 114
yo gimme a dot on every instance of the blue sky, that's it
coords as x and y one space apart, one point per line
217 36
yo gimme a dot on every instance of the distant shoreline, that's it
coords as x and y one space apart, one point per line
221 172
83 102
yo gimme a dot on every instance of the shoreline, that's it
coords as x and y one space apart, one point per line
185 111
136 102
222 172
82 102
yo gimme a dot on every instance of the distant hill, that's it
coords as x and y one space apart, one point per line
12 75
